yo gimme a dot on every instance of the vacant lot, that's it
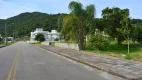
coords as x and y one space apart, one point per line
121 51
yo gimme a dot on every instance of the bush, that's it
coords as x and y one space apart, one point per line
57 39
98 42
40 37
52 43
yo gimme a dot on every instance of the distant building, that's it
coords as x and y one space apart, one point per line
49 36
10 38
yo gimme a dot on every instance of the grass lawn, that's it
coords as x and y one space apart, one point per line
1 44
35 43
8 43
121 51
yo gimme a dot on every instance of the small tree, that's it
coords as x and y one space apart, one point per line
40 37
125 30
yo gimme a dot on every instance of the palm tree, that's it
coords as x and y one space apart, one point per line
78 23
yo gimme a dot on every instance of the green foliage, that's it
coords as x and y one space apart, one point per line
137 21
35 43
126 29
40 37
70 27
100 24
98 41
128 56
57 39
113 18
60 22
22 24
120 51
0 39
133 34
139 33
52 43
78 23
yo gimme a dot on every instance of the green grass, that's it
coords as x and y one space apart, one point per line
121 51
35 43
2 43
8 43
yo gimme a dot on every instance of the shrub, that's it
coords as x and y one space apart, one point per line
98 41
52 43
57 39
40 37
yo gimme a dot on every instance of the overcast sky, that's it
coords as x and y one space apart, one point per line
9 8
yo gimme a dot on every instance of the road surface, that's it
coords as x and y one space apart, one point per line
23 61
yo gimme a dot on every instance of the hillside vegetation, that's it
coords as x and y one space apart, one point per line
22 24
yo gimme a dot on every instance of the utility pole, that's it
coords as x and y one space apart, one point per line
5 34
13 36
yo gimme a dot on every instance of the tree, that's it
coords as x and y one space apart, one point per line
75 24
126 29
113 17
139 33
40 37
100 24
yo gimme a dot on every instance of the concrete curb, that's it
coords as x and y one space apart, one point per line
94 66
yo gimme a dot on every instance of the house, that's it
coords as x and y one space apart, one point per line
49 36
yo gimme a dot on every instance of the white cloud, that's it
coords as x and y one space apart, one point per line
9 9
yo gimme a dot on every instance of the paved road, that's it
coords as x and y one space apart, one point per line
23 61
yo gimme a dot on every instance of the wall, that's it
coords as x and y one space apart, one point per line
68 46
45 43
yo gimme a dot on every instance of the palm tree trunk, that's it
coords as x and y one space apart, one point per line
81 39
81 43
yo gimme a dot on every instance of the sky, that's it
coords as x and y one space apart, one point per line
10 8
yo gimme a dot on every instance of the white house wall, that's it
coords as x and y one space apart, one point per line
47 35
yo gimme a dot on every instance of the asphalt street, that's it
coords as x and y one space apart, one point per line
23 61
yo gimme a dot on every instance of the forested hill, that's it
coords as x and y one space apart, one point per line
23 24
